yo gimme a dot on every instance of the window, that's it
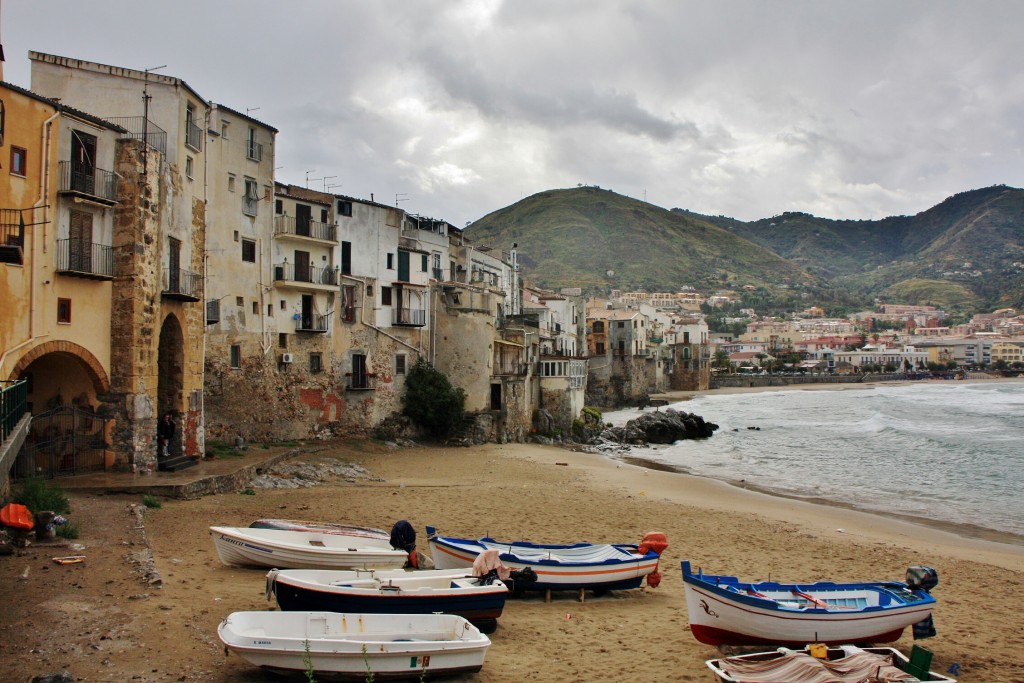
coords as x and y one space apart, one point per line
359 378
236 235
254 150
323 215
385 296
64 311
282 340
252 197
316 362
600 348
224 125
249 250
283 304
344 208
346 258
239 301
270 310
348 303
231 182
621 324
391 261
400 364
236 356
423 263
255 308
19 161
278 207
188 168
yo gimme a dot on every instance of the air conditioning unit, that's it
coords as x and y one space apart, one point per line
287 357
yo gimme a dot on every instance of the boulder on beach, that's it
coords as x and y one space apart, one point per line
662 427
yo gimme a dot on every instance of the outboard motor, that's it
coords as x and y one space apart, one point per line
653 542
403 537
924 579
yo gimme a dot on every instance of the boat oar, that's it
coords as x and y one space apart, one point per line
810 598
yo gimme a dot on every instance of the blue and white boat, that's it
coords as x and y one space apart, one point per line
593 566
725 611
391 591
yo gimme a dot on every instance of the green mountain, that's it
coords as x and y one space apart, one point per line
965 254
598 240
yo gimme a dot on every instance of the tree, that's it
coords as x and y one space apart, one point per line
431 401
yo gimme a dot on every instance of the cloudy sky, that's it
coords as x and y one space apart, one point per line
747 108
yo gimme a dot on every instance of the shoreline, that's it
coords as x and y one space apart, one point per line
966 531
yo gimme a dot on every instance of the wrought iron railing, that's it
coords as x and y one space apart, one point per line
516 368
81 256
90 182
412 317
361 381
12 228
254 150
181 283
193 136
313 323
139 129
290 272
13 404
305 227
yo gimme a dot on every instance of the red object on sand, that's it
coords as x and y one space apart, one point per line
17 516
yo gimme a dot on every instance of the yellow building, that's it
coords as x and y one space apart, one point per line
57 200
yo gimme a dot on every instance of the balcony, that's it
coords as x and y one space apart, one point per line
361 382
139 128
314 323
79 258
12 236
254 151
290 226
408 317
193 135
181 285
305 276
93 184
511 368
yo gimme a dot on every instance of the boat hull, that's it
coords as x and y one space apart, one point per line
353 646
719 615
283 549
614 567
391 592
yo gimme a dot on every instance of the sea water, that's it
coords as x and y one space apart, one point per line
946 451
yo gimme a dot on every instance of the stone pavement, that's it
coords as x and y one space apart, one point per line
222 474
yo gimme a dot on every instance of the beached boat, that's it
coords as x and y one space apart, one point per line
593 566
356 647
284 549
724 611
395 591
828 665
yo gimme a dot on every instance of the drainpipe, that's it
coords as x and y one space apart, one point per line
374 327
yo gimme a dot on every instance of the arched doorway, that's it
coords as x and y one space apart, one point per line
170 370
71 426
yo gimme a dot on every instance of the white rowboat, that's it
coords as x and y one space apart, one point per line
285 549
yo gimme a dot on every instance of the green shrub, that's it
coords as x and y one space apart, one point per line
68 529
151 501
431 401
38 496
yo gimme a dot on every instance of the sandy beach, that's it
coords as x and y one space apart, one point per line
102 622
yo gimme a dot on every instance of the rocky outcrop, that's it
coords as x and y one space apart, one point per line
663 427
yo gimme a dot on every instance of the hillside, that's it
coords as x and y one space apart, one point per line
598 240
963 254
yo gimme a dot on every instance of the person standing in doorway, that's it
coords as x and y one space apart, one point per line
165 434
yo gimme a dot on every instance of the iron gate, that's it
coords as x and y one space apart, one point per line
63 442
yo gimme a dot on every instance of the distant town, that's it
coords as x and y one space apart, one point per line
151 264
